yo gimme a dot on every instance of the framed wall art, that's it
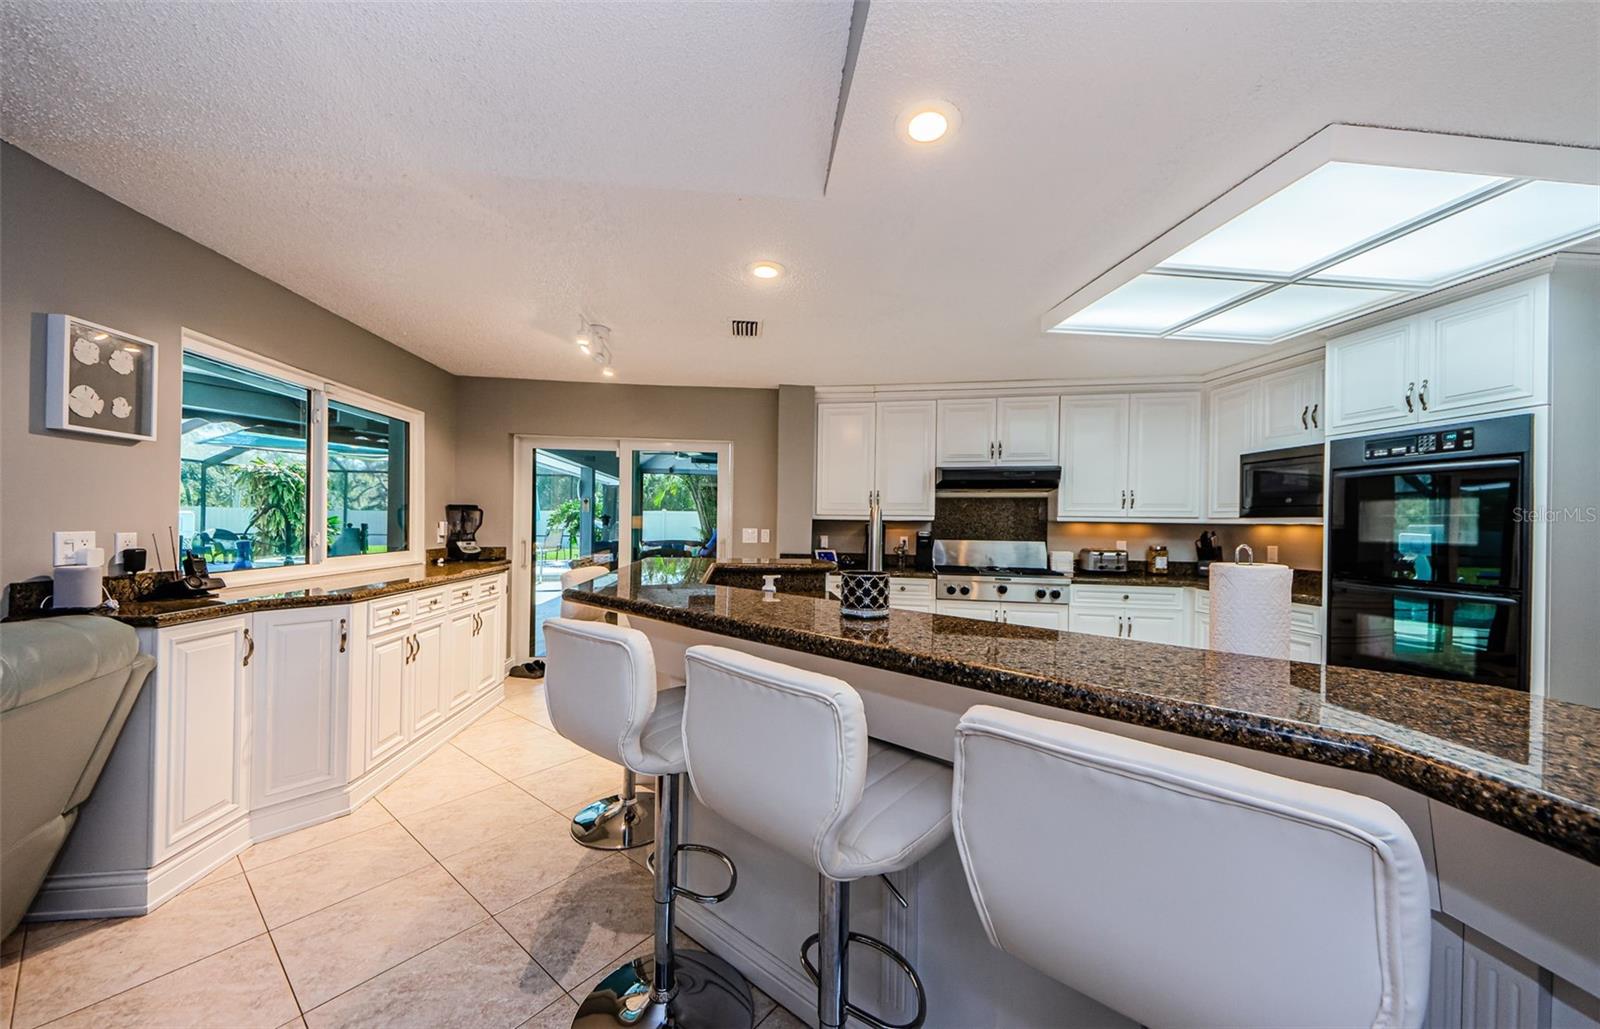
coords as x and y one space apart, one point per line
98 380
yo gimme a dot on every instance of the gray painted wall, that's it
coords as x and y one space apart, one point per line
495 410
797 446
70 249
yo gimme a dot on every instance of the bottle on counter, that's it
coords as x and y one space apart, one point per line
1156 564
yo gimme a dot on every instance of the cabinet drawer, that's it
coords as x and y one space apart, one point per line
909 588
1202 602
1167 598
490 589
1306 618
389 612
460 596
430 603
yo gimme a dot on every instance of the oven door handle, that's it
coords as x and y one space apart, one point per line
1427 469
1471 596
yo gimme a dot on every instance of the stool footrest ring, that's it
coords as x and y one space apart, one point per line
894 957
699 898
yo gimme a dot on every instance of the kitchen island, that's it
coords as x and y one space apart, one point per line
1501 789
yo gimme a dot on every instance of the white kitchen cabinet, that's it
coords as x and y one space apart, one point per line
388 668
1150 614
1094 457
1484 353
1234 431
429 695
846 458
1291 407
1039 616
461 657
1130 458
979 610
1168 627
905 460
1305 633
907 593
1007 431
489 666
301 703
203 683
1096 621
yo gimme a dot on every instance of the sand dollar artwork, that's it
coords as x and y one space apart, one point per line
120 407
86 351
85 402
122 363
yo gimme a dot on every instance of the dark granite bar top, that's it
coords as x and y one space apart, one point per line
1306 589
1523 762
321 591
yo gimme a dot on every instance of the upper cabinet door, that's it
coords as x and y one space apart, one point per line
846 451
966 432
1094 457
1291 407
1234 431
1372 378
1164 456
1482 353
1027 430
905 460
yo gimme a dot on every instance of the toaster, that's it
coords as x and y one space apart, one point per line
1102 560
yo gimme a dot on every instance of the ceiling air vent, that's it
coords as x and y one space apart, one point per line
742 327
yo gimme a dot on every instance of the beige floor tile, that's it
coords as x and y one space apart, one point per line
584 924
442 776
569 786
227 870
482 736
532 754
310 881
368 816
13 944
480 978
764 1004
342 946
242 986
494 714
76 970
556 1016
525 697
459 824
298 1023
10 965
513 866
781 1018
42 934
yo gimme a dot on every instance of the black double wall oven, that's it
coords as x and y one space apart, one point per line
1429 551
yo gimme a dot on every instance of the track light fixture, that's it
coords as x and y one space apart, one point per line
595 340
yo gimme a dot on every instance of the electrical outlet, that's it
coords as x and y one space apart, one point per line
766 535
824 543
444 530
751 536
1121 545
125 541
1272 554
65 544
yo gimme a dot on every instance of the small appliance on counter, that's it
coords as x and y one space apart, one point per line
1090 560
196 582
463 521
1207 549
924 558
865 594
1156 561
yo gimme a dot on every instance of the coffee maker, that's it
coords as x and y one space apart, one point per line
463 521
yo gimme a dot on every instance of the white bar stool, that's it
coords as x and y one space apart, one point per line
783 753
623 820
603 697
1185 891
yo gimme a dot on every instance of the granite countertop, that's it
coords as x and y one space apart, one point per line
1523 762
1307 587
319 591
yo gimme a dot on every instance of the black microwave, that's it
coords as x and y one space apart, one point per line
1284 483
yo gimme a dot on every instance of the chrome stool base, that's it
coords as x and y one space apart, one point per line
709 994
615 823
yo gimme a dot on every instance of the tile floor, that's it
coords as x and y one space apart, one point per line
455 898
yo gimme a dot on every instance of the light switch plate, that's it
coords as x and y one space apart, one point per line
766 535
824 543
750 536
1272 554
64 544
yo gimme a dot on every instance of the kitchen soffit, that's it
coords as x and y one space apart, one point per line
1341 239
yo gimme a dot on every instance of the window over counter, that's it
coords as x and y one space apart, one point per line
282 473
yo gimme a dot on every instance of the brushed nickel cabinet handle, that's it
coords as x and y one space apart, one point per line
1131 501
1411 388
1314 423
1422 395
1304 414
1000 449
1124 500
249 648
344 634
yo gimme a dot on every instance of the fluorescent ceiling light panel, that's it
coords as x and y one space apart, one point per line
1535 217
1285 312
1151 305
1327 212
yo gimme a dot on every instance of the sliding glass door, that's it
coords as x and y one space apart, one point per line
675 494
575 520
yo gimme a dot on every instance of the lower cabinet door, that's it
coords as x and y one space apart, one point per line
427 677
202 688
299 726
461 658
489 660
1156 627
1095 621
976 609
1040 616
1305 646
911 603
388 669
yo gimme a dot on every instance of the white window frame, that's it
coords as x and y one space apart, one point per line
321 391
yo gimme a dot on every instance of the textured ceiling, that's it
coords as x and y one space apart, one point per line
465 179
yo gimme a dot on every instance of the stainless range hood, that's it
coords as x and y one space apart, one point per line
998 481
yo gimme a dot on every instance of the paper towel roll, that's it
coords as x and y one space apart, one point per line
1250 608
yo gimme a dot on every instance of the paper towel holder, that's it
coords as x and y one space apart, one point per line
1249 555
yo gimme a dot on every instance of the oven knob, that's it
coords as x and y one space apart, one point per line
965 591
1039 594
950 590
1000 589
1055 594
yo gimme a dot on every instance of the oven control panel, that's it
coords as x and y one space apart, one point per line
1448 441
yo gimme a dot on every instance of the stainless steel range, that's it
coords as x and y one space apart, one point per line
1013 571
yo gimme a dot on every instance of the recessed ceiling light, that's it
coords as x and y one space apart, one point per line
766 269
930 122
609 372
